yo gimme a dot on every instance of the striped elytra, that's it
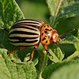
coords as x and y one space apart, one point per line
30 32
25 32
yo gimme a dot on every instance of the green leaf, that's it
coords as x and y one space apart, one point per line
73 56
67 14
71 46
67 72
66 8
56 55
30 71
54 6
11 70
4 72
59 53
72 40
54 67
9 13
1 23
66 25
78 34
53 57
69 8
51 68
76 44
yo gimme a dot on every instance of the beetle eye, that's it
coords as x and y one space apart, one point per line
55 37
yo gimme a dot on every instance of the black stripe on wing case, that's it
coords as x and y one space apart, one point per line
23 32
27 27
20 38
26 24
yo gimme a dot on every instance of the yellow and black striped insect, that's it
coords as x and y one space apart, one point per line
30 32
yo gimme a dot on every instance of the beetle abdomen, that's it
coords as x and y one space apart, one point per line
25 33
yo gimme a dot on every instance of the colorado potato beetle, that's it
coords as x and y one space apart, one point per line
30 32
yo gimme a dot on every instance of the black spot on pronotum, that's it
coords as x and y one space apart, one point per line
43 39
46 32
46 41
42 34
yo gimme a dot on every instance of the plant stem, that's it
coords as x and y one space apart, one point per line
78 33
43 64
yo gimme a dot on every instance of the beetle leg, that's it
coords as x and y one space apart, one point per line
33 52
45 47
31 55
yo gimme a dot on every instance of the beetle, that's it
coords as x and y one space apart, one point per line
29 32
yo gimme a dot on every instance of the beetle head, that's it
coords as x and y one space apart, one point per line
55 37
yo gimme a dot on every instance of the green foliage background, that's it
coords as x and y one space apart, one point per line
62 60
